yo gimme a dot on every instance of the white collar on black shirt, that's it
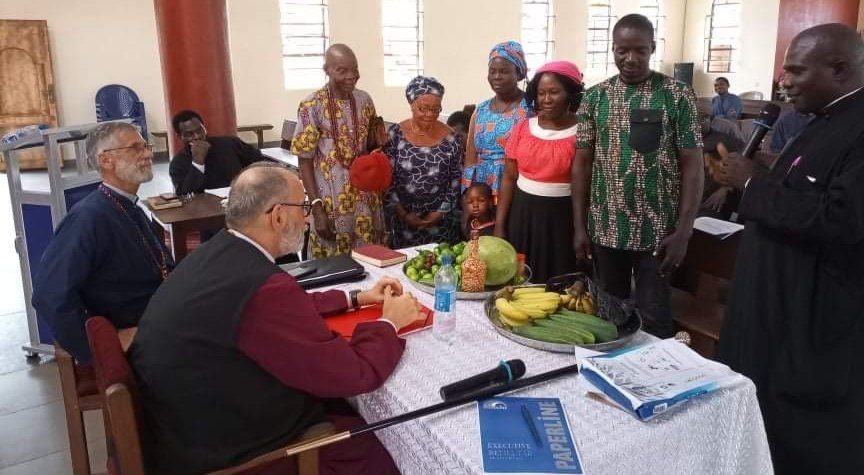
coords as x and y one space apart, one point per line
844 96
125 194
252 242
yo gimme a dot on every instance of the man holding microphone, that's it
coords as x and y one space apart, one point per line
795 316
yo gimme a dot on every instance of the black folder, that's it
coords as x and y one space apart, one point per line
325 271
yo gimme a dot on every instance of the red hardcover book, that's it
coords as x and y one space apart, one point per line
378 255
344 323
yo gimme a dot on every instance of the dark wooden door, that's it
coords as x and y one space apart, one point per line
26 81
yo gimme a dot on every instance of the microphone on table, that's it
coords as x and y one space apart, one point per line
767 116
504 373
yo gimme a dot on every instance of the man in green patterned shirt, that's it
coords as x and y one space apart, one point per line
638 168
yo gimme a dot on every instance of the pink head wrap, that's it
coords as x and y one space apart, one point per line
564 68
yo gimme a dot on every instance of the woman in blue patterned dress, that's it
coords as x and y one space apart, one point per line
426 156
494 118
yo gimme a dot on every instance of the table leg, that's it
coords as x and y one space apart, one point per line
178 242
260 134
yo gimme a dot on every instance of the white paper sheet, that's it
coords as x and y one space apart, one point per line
717 227
220 192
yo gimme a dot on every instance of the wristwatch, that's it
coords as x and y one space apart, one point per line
355 303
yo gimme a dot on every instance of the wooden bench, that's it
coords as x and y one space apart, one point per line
750 107
698 302
258 129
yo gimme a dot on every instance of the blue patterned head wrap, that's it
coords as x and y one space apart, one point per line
511 51
423 85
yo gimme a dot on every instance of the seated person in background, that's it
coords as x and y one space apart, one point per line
206 162
427 166
718 201
788 126
458 121
477 210
104 258
725 104
233 357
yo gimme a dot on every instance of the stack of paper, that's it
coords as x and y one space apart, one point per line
651 379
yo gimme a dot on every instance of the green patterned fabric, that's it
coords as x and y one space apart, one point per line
634 195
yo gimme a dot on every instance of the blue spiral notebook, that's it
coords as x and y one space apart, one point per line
527 436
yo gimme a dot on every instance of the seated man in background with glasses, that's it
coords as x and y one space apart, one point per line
206 162
233 357
104 258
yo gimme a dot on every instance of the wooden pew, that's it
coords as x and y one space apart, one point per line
698 302
750 110
257 129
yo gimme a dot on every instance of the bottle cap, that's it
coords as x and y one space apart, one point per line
447 259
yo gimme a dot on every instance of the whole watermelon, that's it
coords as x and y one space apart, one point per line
500 259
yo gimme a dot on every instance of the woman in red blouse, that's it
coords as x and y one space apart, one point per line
534 207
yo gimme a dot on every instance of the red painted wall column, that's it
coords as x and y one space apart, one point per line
196 63
798 15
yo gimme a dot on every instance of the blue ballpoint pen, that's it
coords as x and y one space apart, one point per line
526 414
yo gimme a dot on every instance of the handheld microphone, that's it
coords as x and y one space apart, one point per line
767 116
506 372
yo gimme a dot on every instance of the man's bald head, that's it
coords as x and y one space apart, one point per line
256 189
338 51
833 42
823 63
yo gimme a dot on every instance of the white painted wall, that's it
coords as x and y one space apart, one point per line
756 56
98 42
94 43
861 18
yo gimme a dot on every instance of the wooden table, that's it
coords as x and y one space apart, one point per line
258 129
203 212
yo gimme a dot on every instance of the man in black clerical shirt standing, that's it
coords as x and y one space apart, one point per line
795 316
206 162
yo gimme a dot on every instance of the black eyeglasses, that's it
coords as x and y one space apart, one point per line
139 147
306 205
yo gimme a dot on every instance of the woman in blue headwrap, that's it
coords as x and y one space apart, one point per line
427 163
494 118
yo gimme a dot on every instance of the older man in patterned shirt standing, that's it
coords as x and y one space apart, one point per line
640 158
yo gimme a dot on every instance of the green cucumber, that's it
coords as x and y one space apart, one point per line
603 330
544 334
567 329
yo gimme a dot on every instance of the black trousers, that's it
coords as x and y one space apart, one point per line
615 269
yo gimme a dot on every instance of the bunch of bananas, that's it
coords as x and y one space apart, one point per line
578 298
526 303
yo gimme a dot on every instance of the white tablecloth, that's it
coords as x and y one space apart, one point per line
722 433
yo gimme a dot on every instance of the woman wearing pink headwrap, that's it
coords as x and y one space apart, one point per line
534 209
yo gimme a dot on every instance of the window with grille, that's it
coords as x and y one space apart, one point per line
653 10
537 34
599 37
722 36
305 38
402 23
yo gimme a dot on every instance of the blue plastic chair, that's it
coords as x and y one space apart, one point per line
116 101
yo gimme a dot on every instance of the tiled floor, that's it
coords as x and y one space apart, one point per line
33 438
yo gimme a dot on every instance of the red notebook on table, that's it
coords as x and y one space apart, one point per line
344 323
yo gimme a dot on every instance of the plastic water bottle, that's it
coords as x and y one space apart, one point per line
444 325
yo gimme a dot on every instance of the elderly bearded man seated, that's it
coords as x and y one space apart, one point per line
233 357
